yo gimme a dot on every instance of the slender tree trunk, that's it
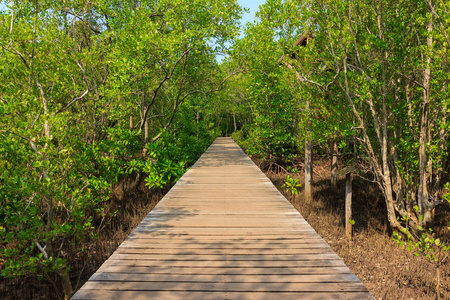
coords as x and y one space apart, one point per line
308 170
381 171
334 164
438 283
234 121
440 169
423 200
410 108
140 174
386 174
65 282
146 138
308 158
11 3
348 205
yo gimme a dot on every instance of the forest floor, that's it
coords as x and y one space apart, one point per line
388 271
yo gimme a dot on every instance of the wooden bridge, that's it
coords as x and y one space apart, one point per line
224 232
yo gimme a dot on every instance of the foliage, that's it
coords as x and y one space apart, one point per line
291 185
426 245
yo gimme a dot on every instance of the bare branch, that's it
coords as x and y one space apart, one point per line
301 77
32 144
71 102
156 116
42 249
85 186
75 49
13 50
35 119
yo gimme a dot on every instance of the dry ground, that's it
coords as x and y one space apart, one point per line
388 271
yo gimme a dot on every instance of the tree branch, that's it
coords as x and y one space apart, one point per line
161 83
71 102
32 144
41 249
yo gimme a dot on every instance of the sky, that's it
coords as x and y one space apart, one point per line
253 5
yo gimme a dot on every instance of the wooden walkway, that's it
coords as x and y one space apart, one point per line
223 232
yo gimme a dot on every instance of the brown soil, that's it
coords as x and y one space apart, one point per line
387 270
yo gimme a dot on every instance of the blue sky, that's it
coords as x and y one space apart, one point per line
253 5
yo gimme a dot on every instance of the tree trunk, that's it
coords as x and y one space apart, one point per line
438 282
308 159
11 3
144 119
408 100
146 139
441 162
348 206
308 171
234 121
65 282
386 174
334 164
423 199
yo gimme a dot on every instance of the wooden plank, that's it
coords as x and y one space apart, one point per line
227 286
211 236
224 271
235 278
193 243
240 252
217 231
226 264
222 257
219 220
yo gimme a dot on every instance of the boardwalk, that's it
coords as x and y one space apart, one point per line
223 232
